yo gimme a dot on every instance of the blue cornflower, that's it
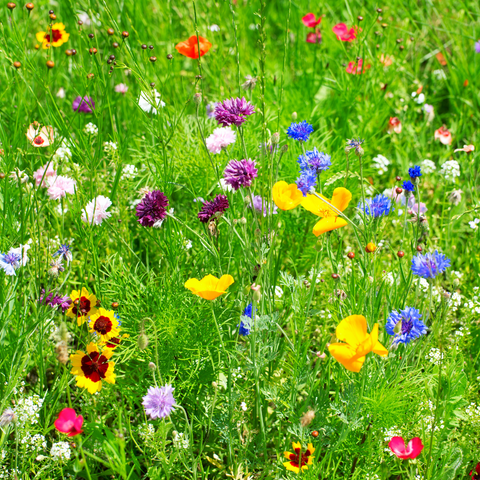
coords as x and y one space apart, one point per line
315 160
245 325
430 264
410 327
64 252
354 143
306 180
415 172
408 186
377 206
300 131
9 262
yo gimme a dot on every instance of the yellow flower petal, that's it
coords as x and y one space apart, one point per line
40 36
341 198
328 224
210 287
345 354
285 196
92 347
318 207
352 330
290 467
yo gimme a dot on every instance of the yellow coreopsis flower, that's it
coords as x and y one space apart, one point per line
299 460
330 220
55 37
353 331
285 196
104 324
83 305
209 287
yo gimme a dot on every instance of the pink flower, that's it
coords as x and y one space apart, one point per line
343 33
60 186
443 135
413 450
96 210
46 170
68 422
309 20
466 148
255 287
121 88
357 69
220 138
314 37
394 125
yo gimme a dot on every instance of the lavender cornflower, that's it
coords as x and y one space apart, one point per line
300 131
477 46
377 206
85 104
64 252
306 181
152 209
9 262
240 173
245 324
216 207
233 111
415 172
408 186
159 402
261 206
429 265
211 109
405 325
315 160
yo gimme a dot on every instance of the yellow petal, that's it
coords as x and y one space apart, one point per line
318 207
224 282
92 347
345 354
328 224
40 36
58 26
209 294
193 285
296 445
287 454
353 330
285 196
290 467
311 448
341 198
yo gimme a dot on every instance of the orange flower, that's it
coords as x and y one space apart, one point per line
443 135
285 196
189 48
340 199
209 287
466 148
55 37
386 60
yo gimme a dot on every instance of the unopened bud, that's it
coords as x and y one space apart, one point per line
275 138
243 221
284 148
214 384
142 341
152 366
197 98
359 152
294 116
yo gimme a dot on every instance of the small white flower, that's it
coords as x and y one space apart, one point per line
91 129
428 166
450 170
110 147
61 93
60 451
214 28
381 163
129 172
149 102
243 406
474 224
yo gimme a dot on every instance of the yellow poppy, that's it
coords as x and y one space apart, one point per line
55 37
209 287
330 220
83 305
299 460
104 324
285 196
353 331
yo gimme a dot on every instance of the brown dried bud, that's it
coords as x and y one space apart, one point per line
93 51
115 45
153 59
307 418
169 56
90 75
50 64
53 16
111 31
125 34
11 5
17 64
2 175
68 53
29 6
114 304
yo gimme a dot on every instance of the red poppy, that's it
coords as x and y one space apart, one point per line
343 33
357 69
68 422
189 48
314 37
475 473
309 20
412 450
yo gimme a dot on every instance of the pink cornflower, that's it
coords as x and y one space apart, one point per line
240 173
220 138
46 170
413 449
121 88
357 69
96 210
68 422
343 33
444 135
309 20
60 186
233 111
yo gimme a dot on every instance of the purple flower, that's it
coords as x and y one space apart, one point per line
240 173
211 109
53 300
85 105
261 205
9 262
307 180
430 265
159 402
216 207
233 111
477 46
152 210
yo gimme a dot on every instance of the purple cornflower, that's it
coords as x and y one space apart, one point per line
429 265
240 173
211 109
307 180
10 262
261 206
64 252
377 206
152 210
245 324
315 160
300 131
53 300
410 327
85 105
159 402
216 207
477 46
233 111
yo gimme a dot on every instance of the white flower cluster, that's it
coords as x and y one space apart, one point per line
473 413
35 442
434 356
450 170
91 129
237 375
462 332
62 154
180 440
428 166
27 410
388 278
388 434
147 432
474 304
60 451
428 415
110 147
453 300
129 172
371 476
14 473
381 163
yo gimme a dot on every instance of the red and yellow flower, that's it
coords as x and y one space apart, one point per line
92 368
299 460
54 36
84 304
114 342
104 324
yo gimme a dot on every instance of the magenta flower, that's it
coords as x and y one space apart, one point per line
68 422
233 111
413 449
314 37
152 210
159 402
85 105
240 173
216 207
310 21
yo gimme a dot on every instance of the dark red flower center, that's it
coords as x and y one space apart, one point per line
94 366
38 140
83 305
113 342
56 34
299 459
102 325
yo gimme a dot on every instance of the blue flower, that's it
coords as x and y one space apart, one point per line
430 264
245 326
410 327
377 206
307 179
415 172
408 186
315 160
64 252
300 131
9 262
354 143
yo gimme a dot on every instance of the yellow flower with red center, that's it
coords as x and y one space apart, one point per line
114 342
353 331
83 305
92 368
54 36
104 324
328 209
285 196
209 287
299 460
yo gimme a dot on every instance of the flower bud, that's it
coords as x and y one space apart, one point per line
142 341
197 98
294 116
370 248
243 221
152 366
359 152
214 384
284 148
257 295
275 138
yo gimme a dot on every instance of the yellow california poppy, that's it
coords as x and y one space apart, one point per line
209 287
299 460
353 331
330 220
285 196
55 37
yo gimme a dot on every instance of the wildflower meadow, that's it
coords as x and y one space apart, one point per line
240 240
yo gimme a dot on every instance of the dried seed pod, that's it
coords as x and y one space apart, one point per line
111 31
29 6
17 64
50 64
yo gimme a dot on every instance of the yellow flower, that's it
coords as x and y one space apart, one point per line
104 324
209 287
299 460
55 37
370 248
92 367
330 220
286 196
82 305
353 331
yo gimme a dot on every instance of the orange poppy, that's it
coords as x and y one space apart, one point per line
189 48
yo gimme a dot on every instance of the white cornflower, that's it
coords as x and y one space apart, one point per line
91 129
450 170
129 172
474 224
381 163
149 102
60 451
428 166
